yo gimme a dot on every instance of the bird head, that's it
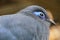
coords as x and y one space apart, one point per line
37 11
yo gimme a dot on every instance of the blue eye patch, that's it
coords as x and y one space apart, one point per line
37 13
40 14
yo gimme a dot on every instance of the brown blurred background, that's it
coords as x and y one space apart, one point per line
12 6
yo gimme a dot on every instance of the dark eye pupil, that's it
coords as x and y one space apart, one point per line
41 14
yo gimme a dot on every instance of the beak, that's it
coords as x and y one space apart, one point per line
50 20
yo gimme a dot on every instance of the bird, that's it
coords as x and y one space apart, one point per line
30 23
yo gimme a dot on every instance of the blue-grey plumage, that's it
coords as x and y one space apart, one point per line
24 25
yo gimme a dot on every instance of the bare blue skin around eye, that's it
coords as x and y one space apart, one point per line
38 14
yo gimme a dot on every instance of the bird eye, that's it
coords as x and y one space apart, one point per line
40 14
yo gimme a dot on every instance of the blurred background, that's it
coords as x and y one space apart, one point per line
52 7
12 6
